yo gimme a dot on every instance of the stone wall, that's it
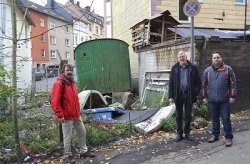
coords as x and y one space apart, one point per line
236 55
159 57
164 56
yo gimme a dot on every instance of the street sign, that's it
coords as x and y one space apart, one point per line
191 8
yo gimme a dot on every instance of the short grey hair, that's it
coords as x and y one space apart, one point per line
181 52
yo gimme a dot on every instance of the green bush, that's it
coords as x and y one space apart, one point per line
101 134
168 125
200 109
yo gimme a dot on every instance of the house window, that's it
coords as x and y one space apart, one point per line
76 40
53 54
239 2
42 22
52 39
100 31
182 16
82 39
67 42
96 30
67 55
43 53
67 29
52 25
90 27
42 38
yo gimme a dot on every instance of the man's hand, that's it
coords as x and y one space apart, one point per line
205 101
171 101
231 100
61 120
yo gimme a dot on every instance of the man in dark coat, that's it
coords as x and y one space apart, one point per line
184 86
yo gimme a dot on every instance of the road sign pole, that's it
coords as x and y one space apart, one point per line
192 40
191 9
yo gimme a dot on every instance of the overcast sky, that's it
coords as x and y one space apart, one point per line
97 4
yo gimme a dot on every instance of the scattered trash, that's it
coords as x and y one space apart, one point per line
26 159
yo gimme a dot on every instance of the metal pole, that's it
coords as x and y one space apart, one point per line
192 40
245 25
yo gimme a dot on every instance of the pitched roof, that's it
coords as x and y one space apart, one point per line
75 11
44 10
21 5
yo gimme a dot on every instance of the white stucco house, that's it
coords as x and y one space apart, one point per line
24 60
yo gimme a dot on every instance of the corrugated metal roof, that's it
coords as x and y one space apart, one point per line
236 33
208 33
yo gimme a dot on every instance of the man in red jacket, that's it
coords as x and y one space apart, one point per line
65 103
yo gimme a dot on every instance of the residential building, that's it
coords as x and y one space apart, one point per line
24 59
60 34
80 22
226 14
95 23
40 40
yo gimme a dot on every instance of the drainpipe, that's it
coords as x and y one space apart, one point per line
245 28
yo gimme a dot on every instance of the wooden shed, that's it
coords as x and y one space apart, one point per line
153 30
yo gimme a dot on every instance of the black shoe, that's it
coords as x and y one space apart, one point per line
178 138
69 159
188 137
88 154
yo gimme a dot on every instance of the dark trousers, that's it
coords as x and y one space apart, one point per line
188 114
221 109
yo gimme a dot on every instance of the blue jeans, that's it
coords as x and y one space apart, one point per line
223 109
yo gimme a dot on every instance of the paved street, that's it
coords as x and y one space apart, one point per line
215 153
42 84
196 152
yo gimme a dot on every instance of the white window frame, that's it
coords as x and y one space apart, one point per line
53 40
67 29
41 22
53 54
67 55
52 25
240 3
67 42
43 53
96 29
42 38
76 39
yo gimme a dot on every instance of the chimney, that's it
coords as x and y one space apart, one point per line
50 3
78 3
87 8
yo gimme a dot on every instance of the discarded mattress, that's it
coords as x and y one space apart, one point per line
134 117
102 114
154 123
91 99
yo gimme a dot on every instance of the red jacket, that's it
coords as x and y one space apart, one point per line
64 100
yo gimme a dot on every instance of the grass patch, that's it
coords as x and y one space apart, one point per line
168 125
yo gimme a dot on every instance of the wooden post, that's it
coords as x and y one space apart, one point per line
163 29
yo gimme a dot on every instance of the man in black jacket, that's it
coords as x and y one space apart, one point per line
184 86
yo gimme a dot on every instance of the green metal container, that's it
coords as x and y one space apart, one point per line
103 65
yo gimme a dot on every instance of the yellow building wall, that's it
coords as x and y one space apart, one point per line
211 9
125 14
